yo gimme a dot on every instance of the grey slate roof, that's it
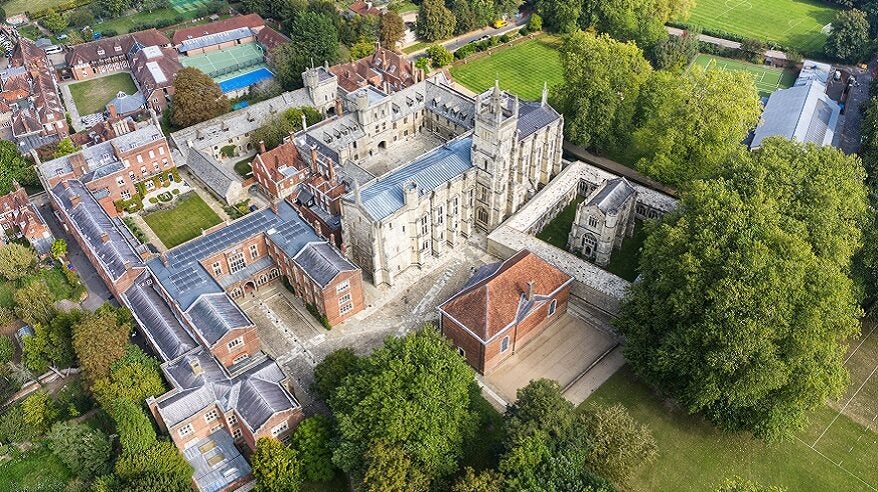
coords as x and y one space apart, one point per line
611 195
534 116
322 262
101 159
96 228
216 462
214 315
384 196
804 113
210 172
124 103
159 323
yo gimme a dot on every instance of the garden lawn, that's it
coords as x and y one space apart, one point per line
625 260
521 69
768 79
183 222
58 285
797 24
125 24
92 96
13 7
243 167
695 457
557 231
35 470
403 7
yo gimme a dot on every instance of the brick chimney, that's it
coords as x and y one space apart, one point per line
196 366
74 200
530 290
274 207
332 238
338 109
314 167
262 146
112 109
165 258
65 184
331 171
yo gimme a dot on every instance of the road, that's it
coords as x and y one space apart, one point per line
455 43
774 54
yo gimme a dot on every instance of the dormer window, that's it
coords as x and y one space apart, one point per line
101 52
117 49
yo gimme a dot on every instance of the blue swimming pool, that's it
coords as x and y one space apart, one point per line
246 80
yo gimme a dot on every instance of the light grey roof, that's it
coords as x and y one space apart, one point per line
214 39
124 103
804 113
448 102
533 117
247 272
96 228
335 133
385 195
813 70
611 195
214 315
322 262
161 326
210 172
216 462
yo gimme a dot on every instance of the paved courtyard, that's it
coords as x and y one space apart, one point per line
563 352
384 160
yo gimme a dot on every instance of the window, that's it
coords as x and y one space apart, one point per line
240 358
461 351
342 286
161 151
278 429
425 224
236 262
139 159
211 416
120 181
131 175
217 269
126 195
149 185
155 166
344 299
186 430
236 433
254 251
552 306
440 216
236 343
346 308
143 170
425 245
504 345
592 222
152 154
482 216
233 419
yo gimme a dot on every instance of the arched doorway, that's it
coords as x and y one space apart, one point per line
250 288
382 145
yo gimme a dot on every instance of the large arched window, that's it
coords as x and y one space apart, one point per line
589 245
482 215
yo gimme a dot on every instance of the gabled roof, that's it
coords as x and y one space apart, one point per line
252 21
804 113
95 51
495 298
322 262
610 196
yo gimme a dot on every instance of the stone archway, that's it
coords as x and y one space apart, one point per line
250 288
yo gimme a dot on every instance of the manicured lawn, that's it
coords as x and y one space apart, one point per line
243 167
521 69
695 456
58 286
13 7
125 24
793 23
92 96
557 231
624 261
403 7
415 47
37 470
183 222
767 79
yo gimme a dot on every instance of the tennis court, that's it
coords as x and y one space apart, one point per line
183 6
226 61
768 79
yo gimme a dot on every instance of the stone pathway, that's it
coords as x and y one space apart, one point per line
150 235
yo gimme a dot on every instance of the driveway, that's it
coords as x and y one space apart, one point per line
469 37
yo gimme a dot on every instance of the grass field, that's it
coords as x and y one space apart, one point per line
37 470
521 69
183 222
795 23
124 24
767 79
835 452
625 260
557 231
92 96
13 7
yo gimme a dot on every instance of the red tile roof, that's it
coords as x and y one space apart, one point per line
270 38
95 51
253 21
364 8
496 297
382 66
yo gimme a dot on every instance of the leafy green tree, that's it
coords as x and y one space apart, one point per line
423 64
744 303
391 398
616 444
34 303
286 62
485 481
559 15
362 49
439 55
114 8
391 29
675 53
16 261
535 23
435 21
692 122
539 409
136 432
506 8
157 482
197 98
276 467
85 451
105 483
390 469
59 248
80 17
39 411
54 21
14 167
99 340
65 147
329 374
849 39
312 440
135 377
7 349
281 126
603 78
640 21
315 34
162 463
738 484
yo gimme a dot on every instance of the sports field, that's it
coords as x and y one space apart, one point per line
521 69
92 96
187 5
836 452
799 24
768 79
226 61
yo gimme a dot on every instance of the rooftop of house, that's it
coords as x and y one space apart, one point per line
610 196
216 462
121 45
124 104
322 263
216 38
804 113
384 69
251 21
501 294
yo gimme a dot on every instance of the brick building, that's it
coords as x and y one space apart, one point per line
21 218
503 307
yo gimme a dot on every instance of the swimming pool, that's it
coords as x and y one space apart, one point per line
246 80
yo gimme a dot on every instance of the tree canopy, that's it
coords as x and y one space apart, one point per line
435 21
744 302
85 451
849 39
16 261
197 98
312 440
134 377
100 340
276 467
14 167
392 29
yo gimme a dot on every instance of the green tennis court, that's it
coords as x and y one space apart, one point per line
183 6
768 79
226 61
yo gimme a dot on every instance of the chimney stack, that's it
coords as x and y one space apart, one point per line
304 122
105 237
331 171
65 184
74 200
165 258
314 167
332 238
112 109
338 109
262 146
530 290
196 366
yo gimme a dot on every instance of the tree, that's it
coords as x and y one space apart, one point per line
14 167
85 451
316 35
329 374
53 21
311 440
734 279
160 464
439 55
616 443
391 398
136 433
602 81
391 29
34 303
135 377
539 409
675 53
80 18
65 147
281 126
197 98
390 469
485 481
559 15
738 484
287 63
16 261
59 248
114 8
435 21
849 39
276 467
535 23
7 349
362 48
39 411
99 340
691 122
640 21
423 64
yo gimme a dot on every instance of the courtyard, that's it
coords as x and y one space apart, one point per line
189 216
383 160
91 96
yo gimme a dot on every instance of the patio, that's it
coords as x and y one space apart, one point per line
164 195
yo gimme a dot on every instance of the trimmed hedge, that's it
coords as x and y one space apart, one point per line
718 33
62 7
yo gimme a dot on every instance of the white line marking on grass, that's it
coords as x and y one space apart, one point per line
827 458
861 343
848 403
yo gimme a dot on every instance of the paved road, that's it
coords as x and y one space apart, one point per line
852 121
455 43
775 54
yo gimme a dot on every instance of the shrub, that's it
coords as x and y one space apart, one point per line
535 23
464 51
312 439
85 451
7 349
39 411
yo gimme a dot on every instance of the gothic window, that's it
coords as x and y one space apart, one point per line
425 224
592 222
440 216
236 262
274 273
589 244
482 216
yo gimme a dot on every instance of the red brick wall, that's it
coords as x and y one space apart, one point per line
472 346
250 346
293 416
328 303
244 247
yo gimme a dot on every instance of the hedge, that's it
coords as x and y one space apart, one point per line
62 7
